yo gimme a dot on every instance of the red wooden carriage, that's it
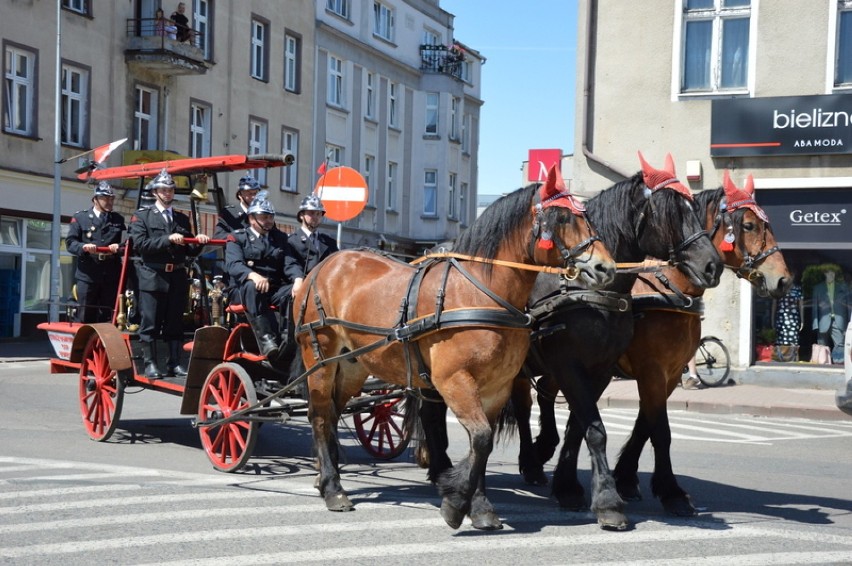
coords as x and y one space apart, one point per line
229 386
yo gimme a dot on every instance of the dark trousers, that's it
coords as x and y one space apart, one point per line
162 314
96 300
258 303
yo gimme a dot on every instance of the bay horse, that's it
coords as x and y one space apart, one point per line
455 324
668 331
580 333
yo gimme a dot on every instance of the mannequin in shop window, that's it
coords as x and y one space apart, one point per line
788 318
831 311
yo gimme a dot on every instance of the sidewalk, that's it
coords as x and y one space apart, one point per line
769 391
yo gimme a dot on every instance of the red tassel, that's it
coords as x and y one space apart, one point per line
545 244
727 246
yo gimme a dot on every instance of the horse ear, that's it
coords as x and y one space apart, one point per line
670 166
748 188
728 184
646 169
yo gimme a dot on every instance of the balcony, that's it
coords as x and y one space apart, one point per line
154 47
442 59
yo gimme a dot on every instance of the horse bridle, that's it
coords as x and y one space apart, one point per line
748 269
673 251
569 256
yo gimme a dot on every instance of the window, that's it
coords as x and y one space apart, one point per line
382 21
465 139
339 7
431 37
19 92
257 145
463 203
292 51
79 6
451 196
369 167
259 63
715 45
201 23
335 81
75 95
392 109
199 129
334 155
145 118
432 109
370 110
455 106
466 71
430 193
843 72
290 175
390 196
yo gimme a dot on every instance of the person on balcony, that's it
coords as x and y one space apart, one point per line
184 32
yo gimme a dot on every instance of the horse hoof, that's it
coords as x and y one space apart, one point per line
534 477
679 506
486 522
451 515
338 502
612 521
573 502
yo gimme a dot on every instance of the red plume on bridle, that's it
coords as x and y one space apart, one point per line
736 198
665 178
554 192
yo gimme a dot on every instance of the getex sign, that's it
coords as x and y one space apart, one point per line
789 125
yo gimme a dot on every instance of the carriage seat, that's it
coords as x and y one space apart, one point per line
240 309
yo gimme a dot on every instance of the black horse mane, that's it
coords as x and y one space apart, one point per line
502 217
710 200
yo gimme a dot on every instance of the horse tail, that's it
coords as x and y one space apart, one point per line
507 423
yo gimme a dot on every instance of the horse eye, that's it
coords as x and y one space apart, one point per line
748 226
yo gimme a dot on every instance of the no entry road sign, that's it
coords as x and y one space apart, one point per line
343 192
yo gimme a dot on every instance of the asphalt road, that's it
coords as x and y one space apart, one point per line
769 491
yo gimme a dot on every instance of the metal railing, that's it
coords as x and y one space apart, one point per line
165 29
442 59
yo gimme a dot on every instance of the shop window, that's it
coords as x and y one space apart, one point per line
10 232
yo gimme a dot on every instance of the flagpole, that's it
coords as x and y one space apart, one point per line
53 304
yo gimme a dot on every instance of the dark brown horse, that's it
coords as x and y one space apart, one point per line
666 335
580 334
667 332
453 324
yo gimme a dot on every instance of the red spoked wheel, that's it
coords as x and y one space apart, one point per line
227 389
381 429
101 391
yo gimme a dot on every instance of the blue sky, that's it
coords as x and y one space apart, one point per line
528 81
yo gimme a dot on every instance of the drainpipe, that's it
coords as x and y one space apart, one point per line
588 89
165 144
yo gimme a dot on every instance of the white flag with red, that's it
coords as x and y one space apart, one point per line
101 153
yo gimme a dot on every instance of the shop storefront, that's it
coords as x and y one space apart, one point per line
810 209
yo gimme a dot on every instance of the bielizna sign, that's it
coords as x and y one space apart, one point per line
789 125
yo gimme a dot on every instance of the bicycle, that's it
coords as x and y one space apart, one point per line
712 361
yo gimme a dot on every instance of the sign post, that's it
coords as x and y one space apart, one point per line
343 192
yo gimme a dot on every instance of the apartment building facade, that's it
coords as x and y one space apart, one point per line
750 86
245 82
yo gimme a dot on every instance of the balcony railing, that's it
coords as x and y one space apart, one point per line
154 44
442 59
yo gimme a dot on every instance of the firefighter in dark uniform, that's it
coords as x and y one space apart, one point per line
254 259
158 233
97 273
235 216
308 247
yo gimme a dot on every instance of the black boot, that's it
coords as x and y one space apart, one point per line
267 341
151 369
173 364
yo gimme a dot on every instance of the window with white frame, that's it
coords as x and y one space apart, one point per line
390 193
466 70
335 81
451 196
383 21
339 7
392 102
257 144
201 23
716 42
334 155
259 34
145 118
455 108
79 6
465 139
430 192
19 91
370 99
432 110
843 65
369 167
292 50
75 109
463 203
290 174
431 37
199 129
